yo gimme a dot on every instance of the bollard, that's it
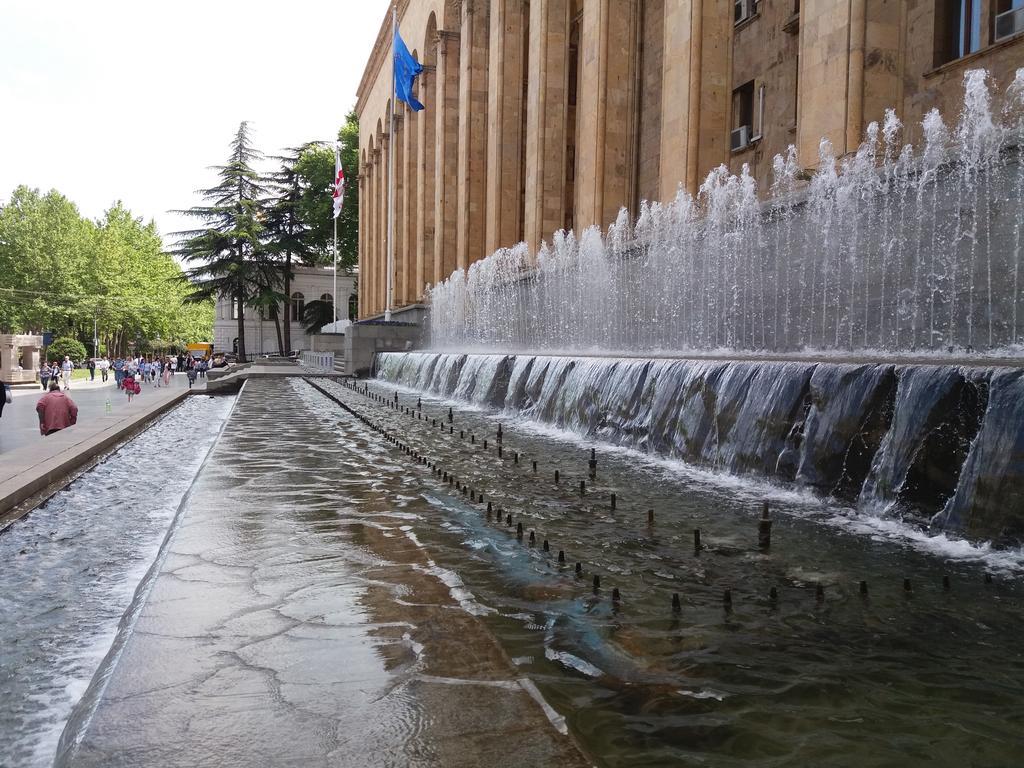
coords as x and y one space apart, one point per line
561 555
727 599
462 434
472 439
579 569
547 548
445 477
945 583
819 593
613 501
472 495
696 539
500 434
616 596
535 466
650 517
499 451
773 594
451 430
508 520
480 498
419 403
907 586
677 604
764 529
556 476
583 487
864 588
593 464
485 445
519 531
533 538
597 582
517 457
451 416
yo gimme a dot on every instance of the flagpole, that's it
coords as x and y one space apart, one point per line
335 294
391 173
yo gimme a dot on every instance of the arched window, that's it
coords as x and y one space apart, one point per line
326 297
298 306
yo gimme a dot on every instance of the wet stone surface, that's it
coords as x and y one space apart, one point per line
296 620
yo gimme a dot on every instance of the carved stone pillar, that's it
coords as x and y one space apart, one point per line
505 124
425 129
446 157
546 113
472 152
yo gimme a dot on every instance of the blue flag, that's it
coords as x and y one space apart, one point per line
406 70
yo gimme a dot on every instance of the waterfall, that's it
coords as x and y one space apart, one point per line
941 444
887 251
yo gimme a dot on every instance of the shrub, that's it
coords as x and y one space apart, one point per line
66 345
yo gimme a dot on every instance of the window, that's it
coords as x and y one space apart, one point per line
743 10
353 307
298 307
1009 19
326 298
742 116
957 29
234 309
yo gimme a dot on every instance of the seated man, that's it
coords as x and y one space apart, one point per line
56 410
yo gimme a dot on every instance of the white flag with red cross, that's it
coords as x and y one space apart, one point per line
339 184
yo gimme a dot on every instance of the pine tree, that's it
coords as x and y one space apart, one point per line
226 252
289 237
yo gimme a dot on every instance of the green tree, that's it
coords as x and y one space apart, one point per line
66 345
227 250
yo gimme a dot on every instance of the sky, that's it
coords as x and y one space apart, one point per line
133 101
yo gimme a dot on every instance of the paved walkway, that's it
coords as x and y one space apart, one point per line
19 426
29 462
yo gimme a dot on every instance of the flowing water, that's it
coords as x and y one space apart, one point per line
923 673
889 250
71 567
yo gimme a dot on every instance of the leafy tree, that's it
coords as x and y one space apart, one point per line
348 221
316 314
65 345
290 234
227 250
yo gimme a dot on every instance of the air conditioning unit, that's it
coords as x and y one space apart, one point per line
1009 23
740 138
743 10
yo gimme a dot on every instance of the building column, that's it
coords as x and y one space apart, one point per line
546 114
607 103
695 90
425 129
505 125
446 157
410 187
472 152
364 235
398 230
825 75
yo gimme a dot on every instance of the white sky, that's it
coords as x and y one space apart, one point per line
109 99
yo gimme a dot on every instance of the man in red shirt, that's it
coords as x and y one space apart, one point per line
56 410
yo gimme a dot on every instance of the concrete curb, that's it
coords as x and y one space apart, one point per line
22 480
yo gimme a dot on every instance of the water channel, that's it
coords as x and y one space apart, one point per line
69 571
781 675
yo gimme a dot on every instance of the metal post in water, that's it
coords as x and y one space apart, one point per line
864 588
547 548
945 583
677 604
561 555
727 599
500 434
773 594
616 596
764 529
556 475
451 416
534 466
517 457
462 434
650 517
499 451
533 538
508 520
485 445
583 487
613 501
593 464
472 438
819 593
696 539
597 582
579 569
519 531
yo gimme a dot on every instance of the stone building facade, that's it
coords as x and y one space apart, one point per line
308 284
550 114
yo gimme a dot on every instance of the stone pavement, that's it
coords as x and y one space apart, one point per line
296 620
31 462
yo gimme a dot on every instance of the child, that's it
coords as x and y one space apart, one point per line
131 386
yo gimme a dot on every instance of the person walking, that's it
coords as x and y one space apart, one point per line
56 410
191 373
6 397
168 370
104 366
118 366
65 371
44 374
91 365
